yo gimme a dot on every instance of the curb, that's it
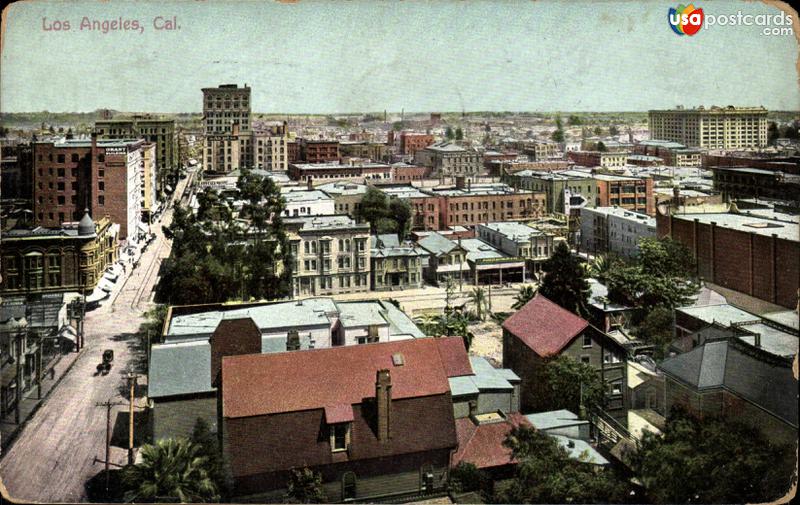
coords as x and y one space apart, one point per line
9 441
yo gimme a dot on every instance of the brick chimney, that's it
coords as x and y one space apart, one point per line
383 401
232 338
310 183
460 182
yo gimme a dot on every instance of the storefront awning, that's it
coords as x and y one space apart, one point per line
69 333
105 284
144 228
96 295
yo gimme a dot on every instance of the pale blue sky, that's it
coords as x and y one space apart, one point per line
323 57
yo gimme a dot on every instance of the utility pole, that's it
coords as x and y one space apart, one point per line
108 404
19 378
132 380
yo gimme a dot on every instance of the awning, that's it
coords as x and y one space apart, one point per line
105 284
342 413
143 227
69 333
111 276
97 295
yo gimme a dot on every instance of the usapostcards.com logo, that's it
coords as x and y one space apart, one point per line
685 20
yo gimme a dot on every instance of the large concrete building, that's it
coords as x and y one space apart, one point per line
270 148
628 192
614 230
227 128
331 255
713 128
103 176
161 132
448 159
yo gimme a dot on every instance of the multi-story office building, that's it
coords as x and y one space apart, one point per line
72 257
270 148
161 132
149 181
103 176
227 128
563 192
741 182
713 128
448 159
674 154
614 230
308 202
318 151
331 255
470 204
628 192
411 142
364 149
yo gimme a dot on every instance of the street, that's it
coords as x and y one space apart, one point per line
59 448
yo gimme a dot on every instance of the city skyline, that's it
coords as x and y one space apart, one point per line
314 58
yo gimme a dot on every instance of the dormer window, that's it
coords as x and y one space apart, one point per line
340 437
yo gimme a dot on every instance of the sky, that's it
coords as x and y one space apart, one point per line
369 56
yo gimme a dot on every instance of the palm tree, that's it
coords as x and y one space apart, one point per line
598 267
170 469
477 297
526 294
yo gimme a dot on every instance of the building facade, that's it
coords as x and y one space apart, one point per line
518 240
54 260
471 204
270 148
628 192
447 159
103 176
331 255
150 200
603 159
395 265
713 128
411 142
740 182
227 128
614 230
161 132
333 170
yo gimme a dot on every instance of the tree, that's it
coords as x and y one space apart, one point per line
712 460
459 133
598 130
547 474
373 209
572 385
477 298
613 130
525 294
209 448
601 147
656 329
400 211
565 280
448 133
466 477
305 486
170 469
574 120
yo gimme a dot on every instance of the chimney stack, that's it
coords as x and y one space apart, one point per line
460 182
310 182
383 400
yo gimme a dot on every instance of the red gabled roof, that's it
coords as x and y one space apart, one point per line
482 445
260 384
454 356
545 326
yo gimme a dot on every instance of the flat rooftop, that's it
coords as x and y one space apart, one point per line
514 230
332 222
479 190
746 223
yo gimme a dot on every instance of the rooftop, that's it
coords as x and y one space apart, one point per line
624 214
479 190
746 223
179 369
513 230
544 326
262 384
343 188
322 223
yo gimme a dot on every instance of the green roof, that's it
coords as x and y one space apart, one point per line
179 369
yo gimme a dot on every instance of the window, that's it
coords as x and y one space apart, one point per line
74 157
587 340
61 158
616 388
585 359
340 436
101 200
610 358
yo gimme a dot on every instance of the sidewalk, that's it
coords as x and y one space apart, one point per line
31 402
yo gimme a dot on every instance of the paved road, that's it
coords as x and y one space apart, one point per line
55 454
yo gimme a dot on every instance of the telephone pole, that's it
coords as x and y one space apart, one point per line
132 380
108 404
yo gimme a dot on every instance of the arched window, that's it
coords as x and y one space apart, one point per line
348 486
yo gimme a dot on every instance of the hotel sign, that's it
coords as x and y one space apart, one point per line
116 150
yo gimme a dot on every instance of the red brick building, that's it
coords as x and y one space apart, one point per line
104 176
374 420
411 142
405 172
468 205
627 192
319 151
755 255
424 206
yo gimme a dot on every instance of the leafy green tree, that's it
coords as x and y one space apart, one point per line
170 469
374 208
523 296
479 300
449 134
400 212
656 329
598 130
547 474
466 477
459 133
712 460
557 135
305 486
572 385
208 443
613 130
565 280
601 147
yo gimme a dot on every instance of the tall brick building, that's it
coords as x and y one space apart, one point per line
755 255
226 124
103 176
